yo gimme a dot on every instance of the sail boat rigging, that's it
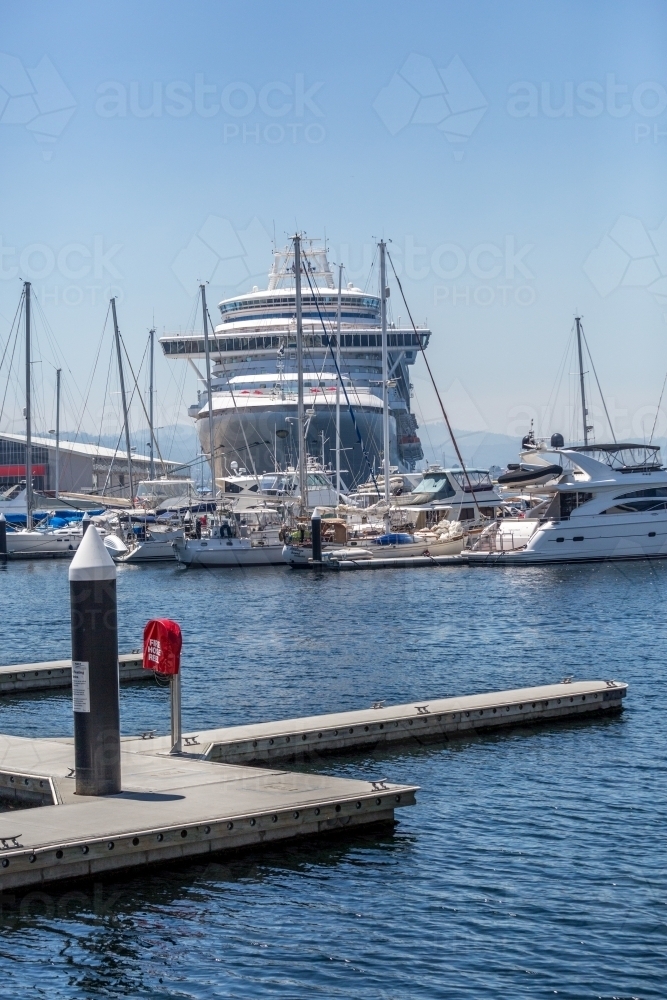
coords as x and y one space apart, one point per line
28 413
303 475
126 422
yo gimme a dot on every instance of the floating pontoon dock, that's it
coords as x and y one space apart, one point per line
420 722
192 804
399 562
170 807
23 677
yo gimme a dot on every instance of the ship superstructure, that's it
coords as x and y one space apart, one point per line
254 376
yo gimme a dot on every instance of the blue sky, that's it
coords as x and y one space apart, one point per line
514 154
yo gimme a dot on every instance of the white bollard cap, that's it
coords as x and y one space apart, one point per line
91 560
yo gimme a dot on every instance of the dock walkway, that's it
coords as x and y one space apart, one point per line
209 799
18 678
170 807
420 722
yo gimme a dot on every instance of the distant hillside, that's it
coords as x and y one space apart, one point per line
479 448
178 442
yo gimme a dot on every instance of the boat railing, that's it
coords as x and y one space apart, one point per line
494 539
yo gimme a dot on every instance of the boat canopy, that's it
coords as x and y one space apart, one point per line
622 457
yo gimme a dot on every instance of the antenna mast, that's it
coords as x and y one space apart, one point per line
584 411
303 476
385 368
124 399
151 390
340 290
58 373
207 349
28 416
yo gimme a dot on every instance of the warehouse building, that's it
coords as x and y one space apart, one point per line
84 468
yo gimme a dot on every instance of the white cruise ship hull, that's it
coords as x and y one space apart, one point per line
268 433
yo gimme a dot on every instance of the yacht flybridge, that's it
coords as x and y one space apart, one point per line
611 503
254 380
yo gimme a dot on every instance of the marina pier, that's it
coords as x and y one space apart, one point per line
170 807
21 678
207 799
420 722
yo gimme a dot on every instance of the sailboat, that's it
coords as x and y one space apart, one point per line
251 538
34 541
30 542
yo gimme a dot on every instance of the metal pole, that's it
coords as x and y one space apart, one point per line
338 377
303 471
151 336
3 537
124 399
95 700
176 733
28 417
316 534
58 372
385 368
584 411
209 390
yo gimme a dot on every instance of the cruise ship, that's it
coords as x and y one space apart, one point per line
254 376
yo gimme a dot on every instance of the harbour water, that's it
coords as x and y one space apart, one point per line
533 864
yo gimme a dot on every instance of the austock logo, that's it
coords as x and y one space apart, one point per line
223 255
630 256
36 98
419 94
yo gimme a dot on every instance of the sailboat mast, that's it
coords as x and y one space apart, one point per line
207 350
385 368
28 417
584 411
303 488
58 374
151 390
123 397
338 312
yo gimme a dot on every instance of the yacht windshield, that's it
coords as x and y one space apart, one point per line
438 484
164 488
278 483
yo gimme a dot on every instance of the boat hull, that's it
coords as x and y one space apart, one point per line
588 539
41 545
300 557
154 549
227 552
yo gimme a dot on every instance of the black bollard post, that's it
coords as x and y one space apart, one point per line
95 698
316 531
85 523
3 537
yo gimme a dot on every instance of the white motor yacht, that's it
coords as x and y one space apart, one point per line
611 504
54 543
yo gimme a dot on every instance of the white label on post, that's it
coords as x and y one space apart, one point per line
80 686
